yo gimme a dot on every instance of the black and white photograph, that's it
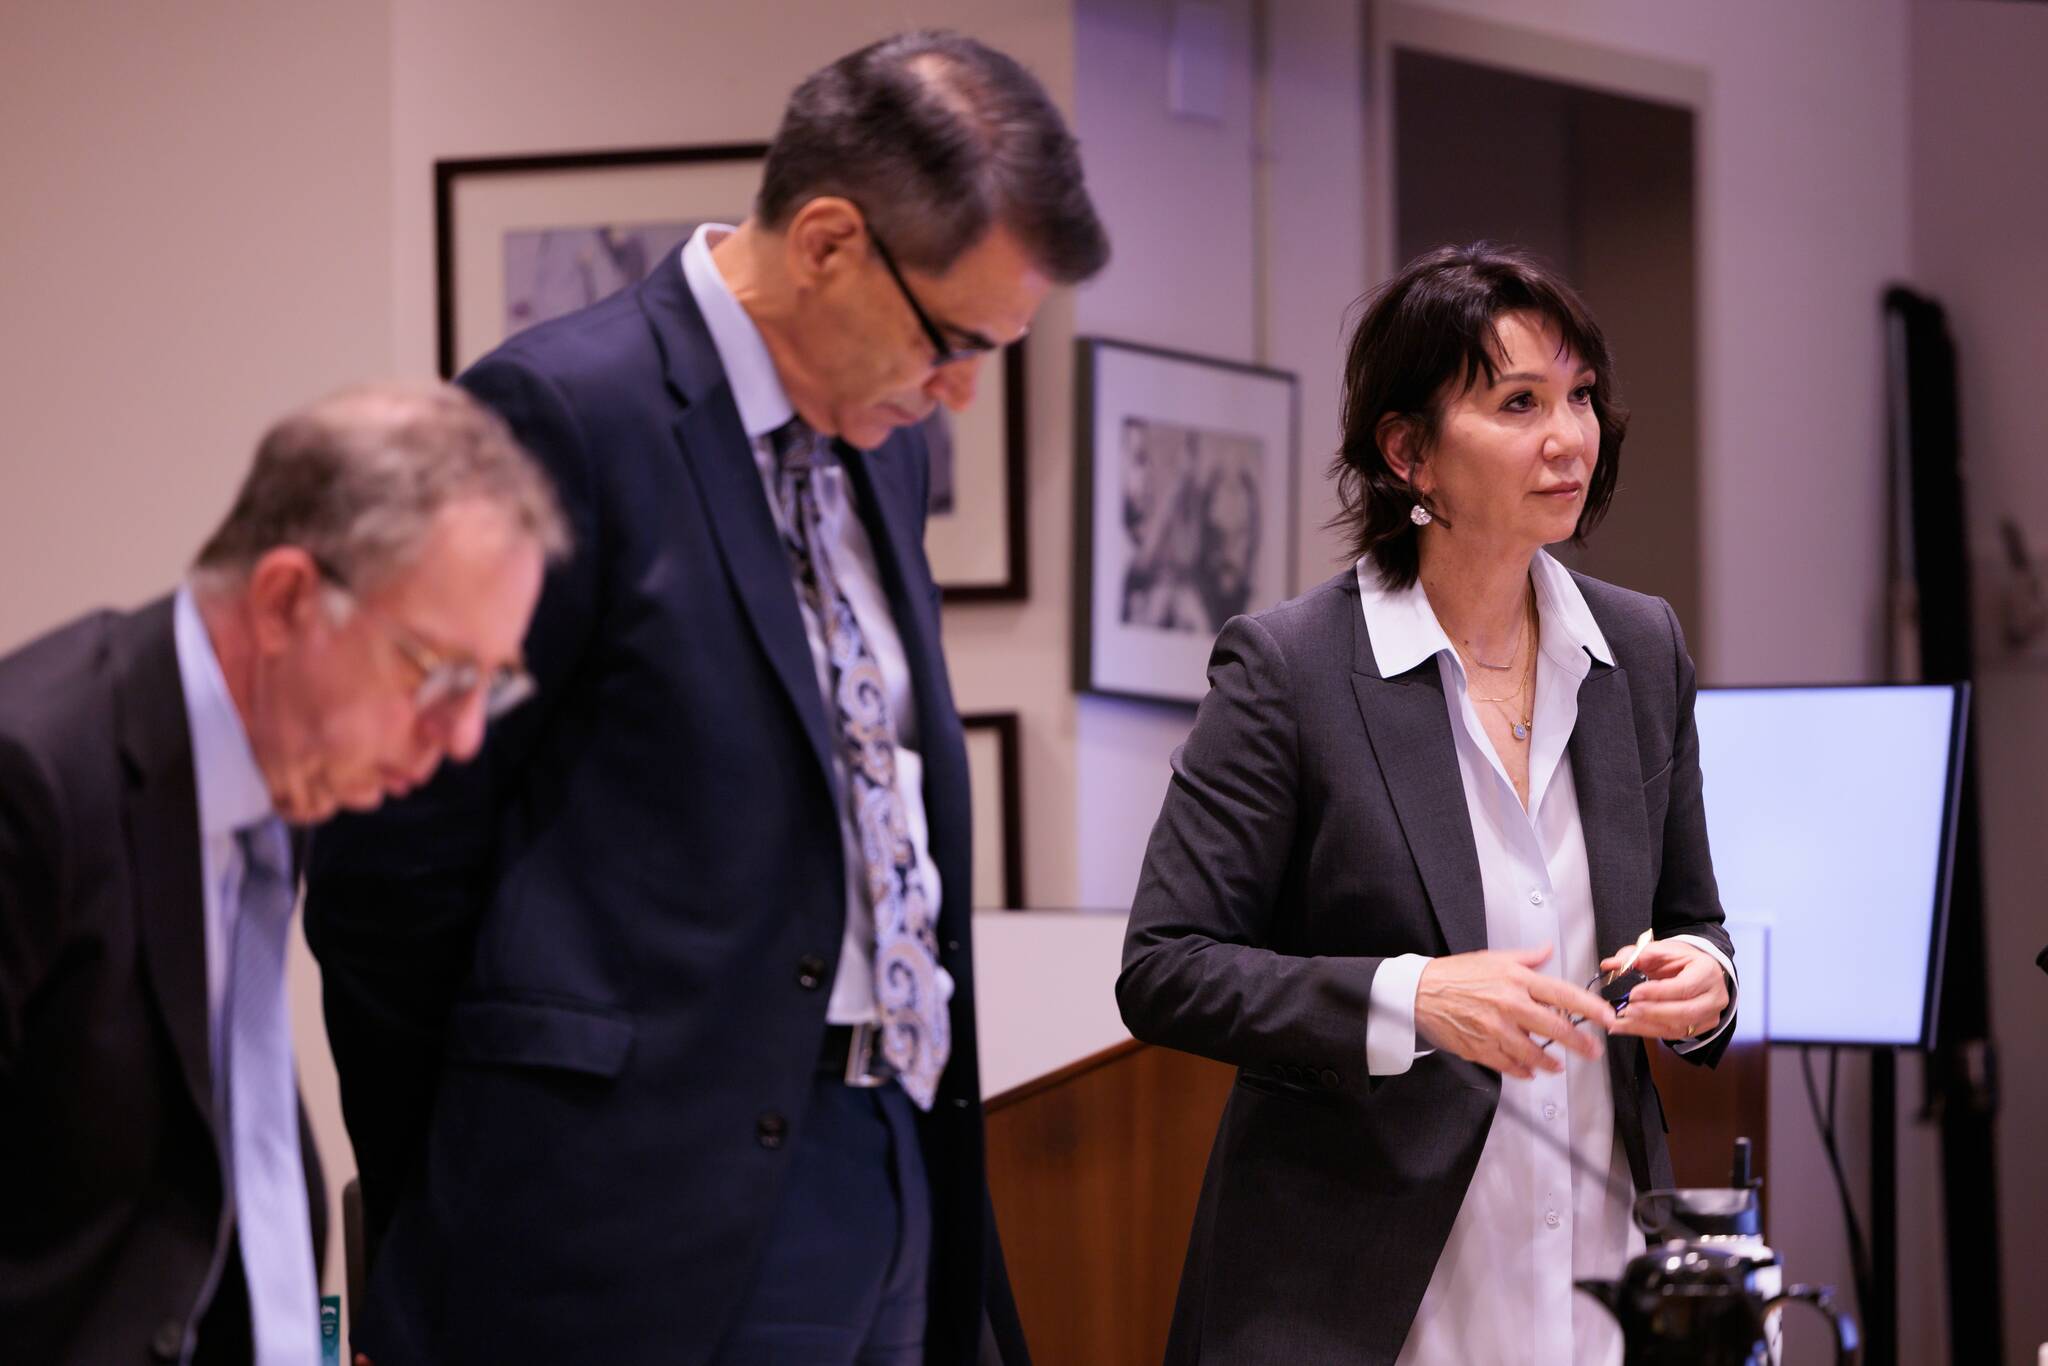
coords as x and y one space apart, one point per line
1191 519
1187 479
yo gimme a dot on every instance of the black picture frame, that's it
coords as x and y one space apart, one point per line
1238 422
454 177
1011 580
1004 728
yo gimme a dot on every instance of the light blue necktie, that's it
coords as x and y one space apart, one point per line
268 1175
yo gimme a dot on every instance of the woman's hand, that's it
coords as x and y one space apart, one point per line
1684 998
1484 1006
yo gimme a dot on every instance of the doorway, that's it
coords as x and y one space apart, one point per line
1600 185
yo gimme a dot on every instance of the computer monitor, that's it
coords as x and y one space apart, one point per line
1832 813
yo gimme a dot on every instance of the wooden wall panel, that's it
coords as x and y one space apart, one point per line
1094 1173
1709 1110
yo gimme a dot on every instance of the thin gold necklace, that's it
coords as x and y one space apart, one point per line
1522 638
1514 656
1520 727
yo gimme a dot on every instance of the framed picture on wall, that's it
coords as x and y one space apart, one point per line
975 528
1186 471
522 239
997 787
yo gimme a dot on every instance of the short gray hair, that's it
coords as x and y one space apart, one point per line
937 138
357 479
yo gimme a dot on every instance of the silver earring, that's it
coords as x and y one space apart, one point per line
1420 515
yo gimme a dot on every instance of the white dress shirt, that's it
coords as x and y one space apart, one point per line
231 796
1532 1222
764 406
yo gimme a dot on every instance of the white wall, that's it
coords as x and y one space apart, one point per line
1229 247
192 200
1177 197
1979 118
195 238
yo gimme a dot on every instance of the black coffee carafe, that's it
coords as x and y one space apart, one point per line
1701 1294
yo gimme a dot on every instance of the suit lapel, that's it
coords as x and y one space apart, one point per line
1608 774
161 806
721 459
1409 725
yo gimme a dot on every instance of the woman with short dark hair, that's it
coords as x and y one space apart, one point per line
1420 805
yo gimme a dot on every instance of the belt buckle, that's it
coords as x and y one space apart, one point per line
860 1057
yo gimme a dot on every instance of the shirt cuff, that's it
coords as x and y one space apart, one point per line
1390 1024
1728 1015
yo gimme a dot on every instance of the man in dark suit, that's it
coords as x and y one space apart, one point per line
655 1027
159 1197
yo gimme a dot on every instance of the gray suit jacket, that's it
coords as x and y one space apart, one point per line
1316 825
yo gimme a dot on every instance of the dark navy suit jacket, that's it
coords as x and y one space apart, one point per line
112 1204
576 989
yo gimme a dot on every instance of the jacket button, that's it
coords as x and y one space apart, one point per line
168 1343
770 1129
952 946
810 972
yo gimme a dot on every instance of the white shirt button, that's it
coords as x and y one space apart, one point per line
1549 1111
1535 897
1550 1218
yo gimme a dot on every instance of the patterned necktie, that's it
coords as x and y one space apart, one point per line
916 1031
267 1169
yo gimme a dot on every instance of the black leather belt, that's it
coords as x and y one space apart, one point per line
852 1053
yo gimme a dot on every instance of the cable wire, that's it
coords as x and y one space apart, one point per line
1824 1121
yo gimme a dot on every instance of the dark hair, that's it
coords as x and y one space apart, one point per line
1427 333
937 139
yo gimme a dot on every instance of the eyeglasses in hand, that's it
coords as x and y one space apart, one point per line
1614 987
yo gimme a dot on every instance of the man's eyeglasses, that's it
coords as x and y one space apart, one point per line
443 681
943 352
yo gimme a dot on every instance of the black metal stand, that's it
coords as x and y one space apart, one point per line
1930 557
1881 1317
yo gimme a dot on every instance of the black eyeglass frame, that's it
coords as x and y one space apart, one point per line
442 680
943 351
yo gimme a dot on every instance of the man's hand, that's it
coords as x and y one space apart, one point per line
1684 998
1484 1006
